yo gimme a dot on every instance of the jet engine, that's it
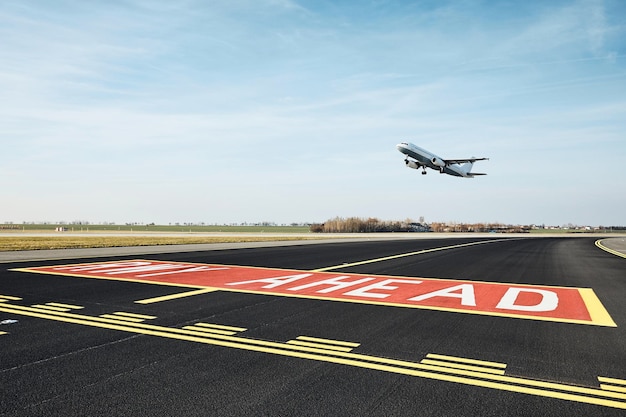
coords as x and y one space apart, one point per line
438 162
412 164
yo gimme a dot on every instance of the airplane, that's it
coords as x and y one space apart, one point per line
421 158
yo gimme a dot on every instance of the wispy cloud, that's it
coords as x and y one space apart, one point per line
305 101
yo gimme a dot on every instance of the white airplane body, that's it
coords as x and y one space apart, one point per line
421 158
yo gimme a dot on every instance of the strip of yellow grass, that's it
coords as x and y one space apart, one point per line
14 243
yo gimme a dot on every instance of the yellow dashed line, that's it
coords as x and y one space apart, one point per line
462 366
465 360
67 306
134 315
9 297
222 327
319 345
52 308
175 296
619 385
209 330
121 318
612 380
328 341
597 396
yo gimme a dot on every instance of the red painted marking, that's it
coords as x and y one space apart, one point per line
529 301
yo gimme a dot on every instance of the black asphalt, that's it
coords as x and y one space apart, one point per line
52 368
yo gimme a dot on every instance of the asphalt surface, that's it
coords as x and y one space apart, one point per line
70 364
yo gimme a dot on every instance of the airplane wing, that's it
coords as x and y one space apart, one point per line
463 160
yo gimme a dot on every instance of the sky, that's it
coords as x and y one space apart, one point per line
289 111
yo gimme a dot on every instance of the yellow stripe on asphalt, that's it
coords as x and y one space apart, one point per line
319 345
528 386
175 296
466 360
222 327
462 366
328 341
135 315
62 305
609 250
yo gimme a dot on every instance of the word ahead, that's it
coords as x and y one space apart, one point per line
562 304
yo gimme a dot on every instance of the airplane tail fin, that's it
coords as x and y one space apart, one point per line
467 168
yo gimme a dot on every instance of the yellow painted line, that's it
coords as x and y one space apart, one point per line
106 323
602 317
1 333
222 327
462 366
115 324
175 296
68 306
619 387
139 281
609 250
434 308
190 330
404 255
209 330
466 360
319 345
499 382
10 297
596 310
47 307
612 380
116 317
135 315
613 388
174 333
524 384
328 341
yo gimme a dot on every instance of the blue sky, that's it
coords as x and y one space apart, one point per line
289 111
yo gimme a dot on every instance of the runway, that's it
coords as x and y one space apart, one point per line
435 327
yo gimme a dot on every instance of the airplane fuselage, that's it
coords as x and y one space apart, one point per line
421 158
425 158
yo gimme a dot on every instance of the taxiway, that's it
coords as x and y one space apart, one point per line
90 339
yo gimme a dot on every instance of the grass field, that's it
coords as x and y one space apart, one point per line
89 236
14 243
14 238
156 228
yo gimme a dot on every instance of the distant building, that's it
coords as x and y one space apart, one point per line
419 227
